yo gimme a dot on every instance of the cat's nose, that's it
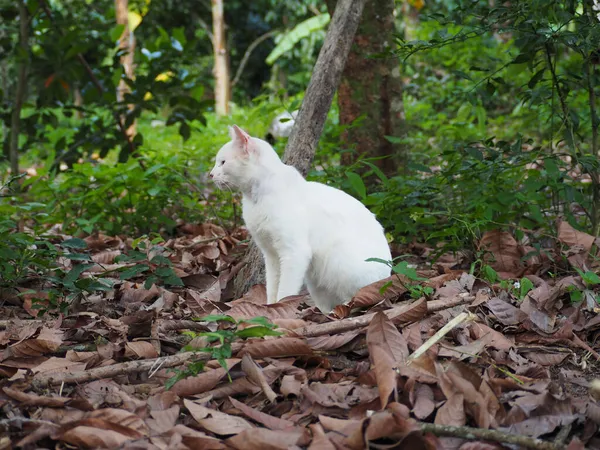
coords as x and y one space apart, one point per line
210 174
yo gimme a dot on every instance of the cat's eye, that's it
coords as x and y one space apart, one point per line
222 163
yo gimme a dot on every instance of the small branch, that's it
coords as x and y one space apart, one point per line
175 325
462 317
562 100
20 421
352 323
488 435
43 380
249 51
206 28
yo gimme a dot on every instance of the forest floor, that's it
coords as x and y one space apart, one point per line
446 361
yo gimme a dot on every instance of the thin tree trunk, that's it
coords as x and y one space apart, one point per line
221 69
78 101
590 70
127 43
300 149
372 89
15 122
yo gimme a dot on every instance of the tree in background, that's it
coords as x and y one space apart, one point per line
127 47
221 67
21 89
370 93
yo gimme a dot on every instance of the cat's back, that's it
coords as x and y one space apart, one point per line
336 215
327 199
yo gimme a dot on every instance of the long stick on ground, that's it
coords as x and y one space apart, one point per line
352 323
42 380
488 435
300 149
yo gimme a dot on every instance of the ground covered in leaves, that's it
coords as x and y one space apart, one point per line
428 359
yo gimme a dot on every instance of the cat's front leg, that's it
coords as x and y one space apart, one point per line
272 277
293 267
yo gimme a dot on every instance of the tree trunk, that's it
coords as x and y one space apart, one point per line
127 43
300 149
372 88
15 122
221 69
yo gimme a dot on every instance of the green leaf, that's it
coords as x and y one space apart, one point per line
261 320
78 257
378 260
133 271
357 184
590 278
116 32
419 167
75 272
377 171
385 287
257 331
153 169
522 58
409 272
179 34
185 131
536 78
394 139
490 274
74 243
299 32
526 286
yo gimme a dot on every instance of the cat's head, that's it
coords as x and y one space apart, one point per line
242 161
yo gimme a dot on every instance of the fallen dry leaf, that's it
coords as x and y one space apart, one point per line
504 254
387 349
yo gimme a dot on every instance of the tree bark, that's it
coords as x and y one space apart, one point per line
127 43
15 121
300 149
221 69
372 88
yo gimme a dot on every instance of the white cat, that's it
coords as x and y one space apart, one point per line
307 232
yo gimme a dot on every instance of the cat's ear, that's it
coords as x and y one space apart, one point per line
239 136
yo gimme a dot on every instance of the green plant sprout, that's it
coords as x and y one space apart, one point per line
225 337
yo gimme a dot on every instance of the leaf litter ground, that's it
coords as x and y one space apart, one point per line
474 364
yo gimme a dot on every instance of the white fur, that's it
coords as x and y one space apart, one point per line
309 233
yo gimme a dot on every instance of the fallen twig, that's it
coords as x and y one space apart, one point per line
439 305
462 317
20 421
489 435
175 325
52 379
4 324
352 323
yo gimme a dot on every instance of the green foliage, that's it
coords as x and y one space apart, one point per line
499 125
413 286
22 255
304 29
158 268
589 278
260 327
74 48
